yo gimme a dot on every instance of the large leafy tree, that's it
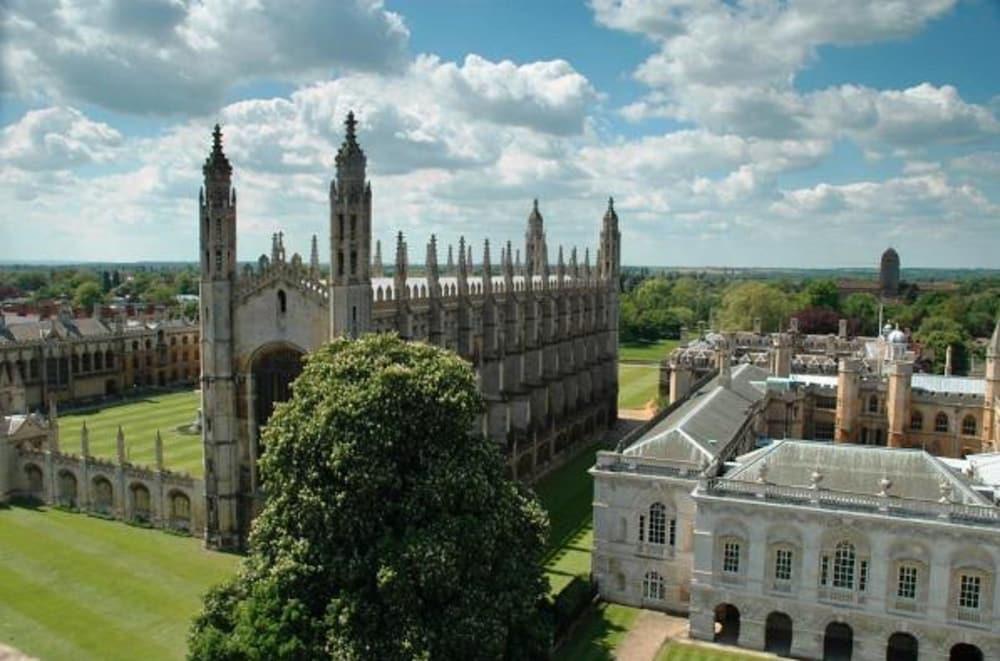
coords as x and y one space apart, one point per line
745 301
389 529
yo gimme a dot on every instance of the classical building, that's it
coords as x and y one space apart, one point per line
542 338
75 359
835 548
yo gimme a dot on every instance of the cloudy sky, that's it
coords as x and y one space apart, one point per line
737 132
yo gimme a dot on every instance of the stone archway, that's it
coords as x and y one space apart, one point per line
142 509
727 624
36 482
67 489
901 646
965 652
273 369
778 634
104 495
180 511
838 642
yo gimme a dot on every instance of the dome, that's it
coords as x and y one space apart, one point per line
897 336
890 254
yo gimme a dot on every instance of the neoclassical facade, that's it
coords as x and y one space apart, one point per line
835 548
543 338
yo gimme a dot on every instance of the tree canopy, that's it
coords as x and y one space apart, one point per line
389 530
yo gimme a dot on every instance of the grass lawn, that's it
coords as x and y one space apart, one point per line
637 385
567 495
678 651
78 587
646 352
598 634
140 418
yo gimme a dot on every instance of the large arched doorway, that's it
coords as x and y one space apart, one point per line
778 634
142 509
965 652
901 647
67 489
273 373
36 482
838 642
103 495
727 624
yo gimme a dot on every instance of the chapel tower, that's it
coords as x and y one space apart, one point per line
350 240
536 253
217 223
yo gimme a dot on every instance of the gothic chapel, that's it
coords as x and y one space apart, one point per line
543 339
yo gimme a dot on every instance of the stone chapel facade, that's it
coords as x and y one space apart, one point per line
543 339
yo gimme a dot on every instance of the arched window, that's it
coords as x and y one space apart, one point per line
916 420
282 301
941 422
652 586
844 559
657 524
969 426
873 404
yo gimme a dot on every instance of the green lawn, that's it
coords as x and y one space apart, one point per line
567 495
140 419
646 352
680 651
77 587
637 385
598 634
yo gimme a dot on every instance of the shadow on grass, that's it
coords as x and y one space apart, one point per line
144 398
592 638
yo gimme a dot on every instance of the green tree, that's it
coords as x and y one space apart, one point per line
745 301
822 294
389 530
88 294
939 333
863 308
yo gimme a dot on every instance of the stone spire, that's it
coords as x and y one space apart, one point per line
586 264
399 276
610 255
560 269
158 449
470 264
433 274
120 442
450 267
574 268
463 271
84 441
534 241
487 269
377 270
508 270
314 258
994 346
517 262
351 160
217 166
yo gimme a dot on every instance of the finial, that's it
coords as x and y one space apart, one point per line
217 138
350 123
611 204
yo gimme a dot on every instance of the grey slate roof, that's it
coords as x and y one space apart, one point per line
703 424
934 383
854 469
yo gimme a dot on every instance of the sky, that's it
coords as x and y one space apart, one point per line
779 133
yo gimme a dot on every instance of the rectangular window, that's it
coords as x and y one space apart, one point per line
824 431
642 528
969 590
673 532
824 570
906 586
863 575
783 565
731 557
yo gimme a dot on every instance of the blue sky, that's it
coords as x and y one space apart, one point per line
788 133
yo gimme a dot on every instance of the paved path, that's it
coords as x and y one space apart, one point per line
11 654
647 635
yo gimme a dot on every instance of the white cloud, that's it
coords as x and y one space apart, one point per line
173 57
57 138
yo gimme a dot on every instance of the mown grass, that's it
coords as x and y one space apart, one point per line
598 634
567 495
682 651
77 587
170 413
646 352
638 385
